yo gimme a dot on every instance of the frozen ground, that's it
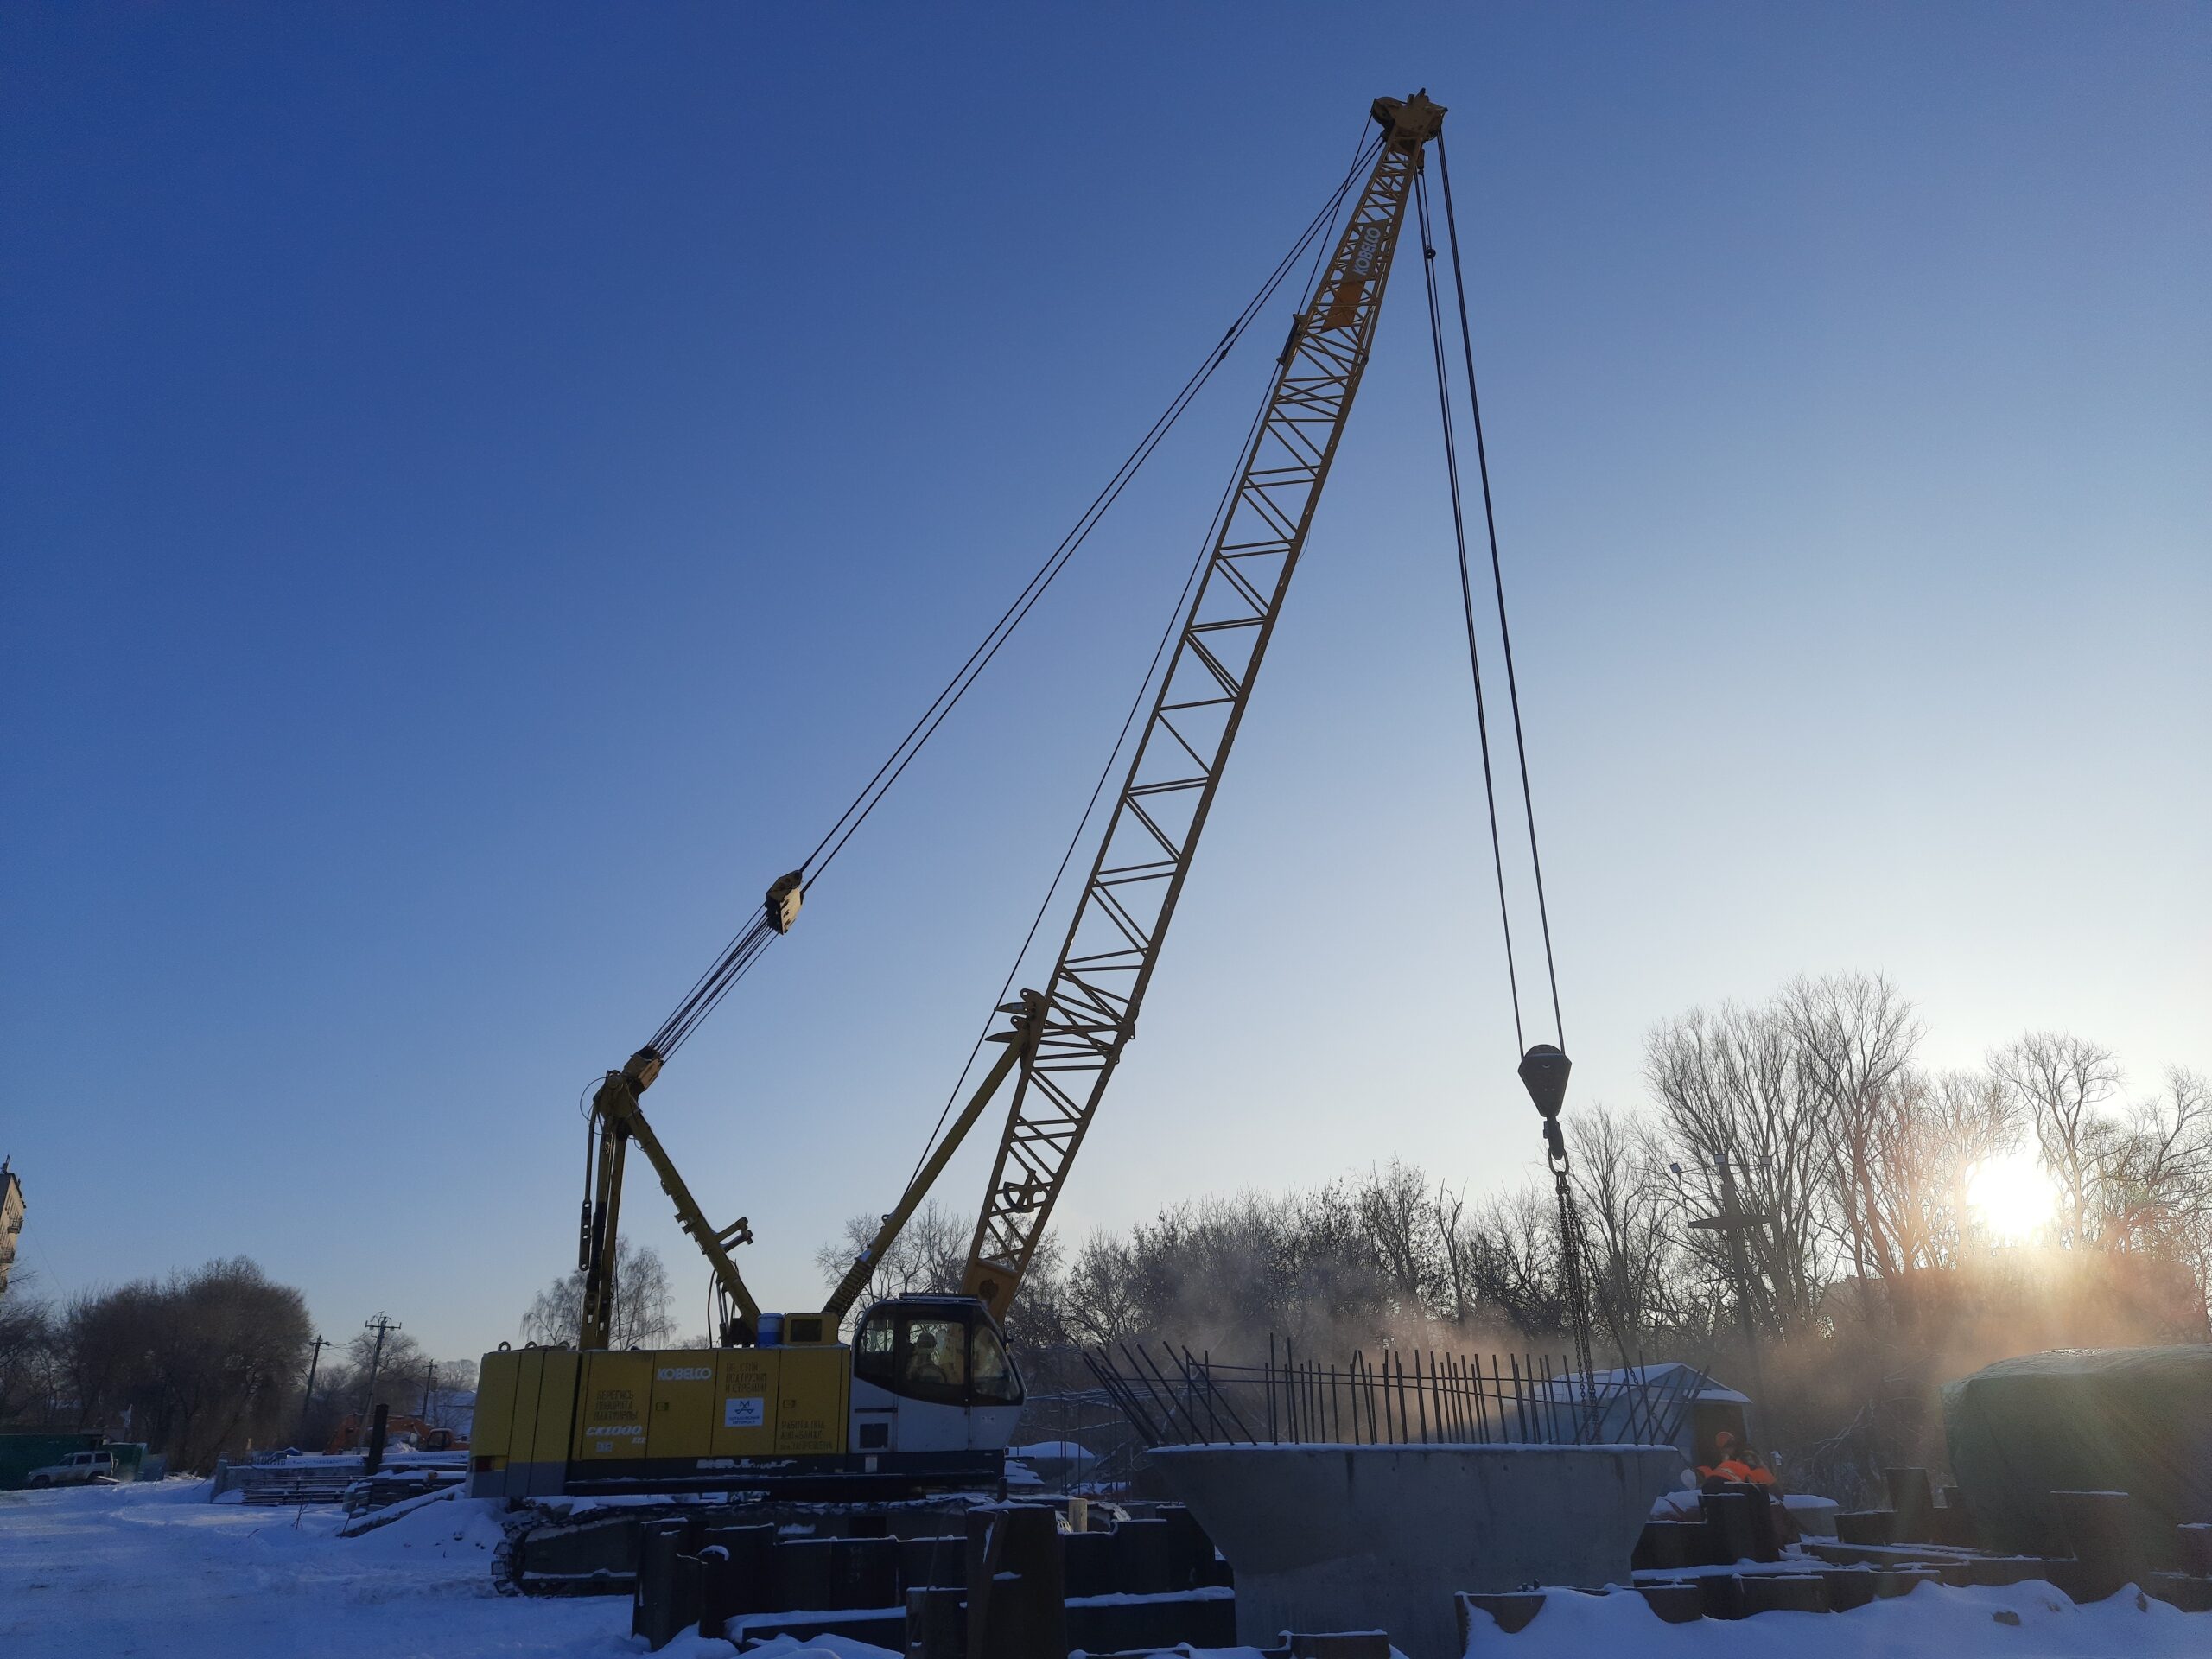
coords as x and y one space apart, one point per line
156 1570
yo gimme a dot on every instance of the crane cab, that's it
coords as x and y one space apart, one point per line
934 1388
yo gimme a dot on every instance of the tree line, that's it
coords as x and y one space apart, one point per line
201 1364
1873 1273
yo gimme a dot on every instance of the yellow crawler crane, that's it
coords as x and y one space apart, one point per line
925 1394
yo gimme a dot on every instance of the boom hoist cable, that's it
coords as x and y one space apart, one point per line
1544 1067
613 1118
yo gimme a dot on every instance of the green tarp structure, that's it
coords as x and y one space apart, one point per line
2107 1419
24 1450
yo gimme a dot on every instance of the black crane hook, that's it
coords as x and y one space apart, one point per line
1543 1071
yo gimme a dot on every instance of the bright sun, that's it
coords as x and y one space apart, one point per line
2011 1196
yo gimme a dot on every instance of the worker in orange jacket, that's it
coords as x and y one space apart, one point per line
1729 1467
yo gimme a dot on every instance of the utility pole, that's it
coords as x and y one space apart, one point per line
306 1404
380 1326
1731 1223
429 1388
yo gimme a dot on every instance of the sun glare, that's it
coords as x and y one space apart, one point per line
2011 1196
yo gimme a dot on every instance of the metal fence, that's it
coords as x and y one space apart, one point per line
1405 1397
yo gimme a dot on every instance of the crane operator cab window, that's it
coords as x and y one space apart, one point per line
936 1356
948 1354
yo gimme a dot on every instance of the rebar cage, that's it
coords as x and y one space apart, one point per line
1405 1397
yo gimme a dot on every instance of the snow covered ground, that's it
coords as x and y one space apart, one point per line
2021 1621
107 1571
156 1570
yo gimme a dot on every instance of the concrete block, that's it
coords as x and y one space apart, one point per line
1677 1604
1865 1527
664 1599
864 1571
1900 1580
1911 1498
2099 1529
1741 1524
1348 1537
1665 1546
655 1563
1953 1528
805 1575
2189 1592
1198 1619
1016 1595
937 1623
1731 1526
1144 1559
1848 1587
927 1562
1784 1592
1337 1644
1191 1558
1723 1593
737 1574
880 1627
1087 1561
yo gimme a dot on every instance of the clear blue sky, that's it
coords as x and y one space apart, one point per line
483 485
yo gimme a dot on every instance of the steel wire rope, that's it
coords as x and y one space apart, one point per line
1467 595
738 957
1573 1242
957 688
1497 583
1361 152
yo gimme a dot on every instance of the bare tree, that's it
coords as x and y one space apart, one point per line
1855 1034
1728 1085
1929 1134
929 1255
1512 1249
1397 1213
642 1315
1625 1206
30 1355
2060 1081
1101 1303
2154 1170
1455 1240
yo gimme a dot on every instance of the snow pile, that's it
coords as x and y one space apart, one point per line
440 1527
2020 1621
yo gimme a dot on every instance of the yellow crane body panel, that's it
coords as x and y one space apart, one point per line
551 1420
685 1404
